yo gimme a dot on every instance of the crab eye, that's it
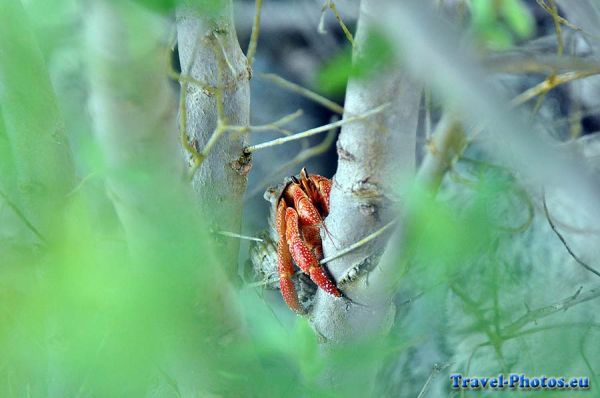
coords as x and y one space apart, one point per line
295 180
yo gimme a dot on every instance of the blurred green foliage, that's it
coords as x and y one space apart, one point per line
91 310
375 55
499 23
168 6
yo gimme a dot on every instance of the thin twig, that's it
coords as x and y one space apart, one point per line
410 300
238 236
224 58
295 88
553 11
562 239
300 158
538 329
321 26
204 87
221 127
448 142
276 125
435 370
550 83
22 217
214 138
566 226
254 35
331 5
532 316
221 61
183 130
360 243
559 36
81 183
523 62
316 130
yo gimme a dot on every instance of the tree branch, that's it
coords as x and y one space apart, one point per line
254 35
316 130
532 316
295 88
447 143
220 181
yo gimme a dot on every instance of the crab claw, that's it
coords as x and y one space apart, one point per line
285 268
304 257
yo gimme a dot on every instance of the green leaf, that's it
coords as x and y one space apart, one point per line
375 54
498 23
333 76
213 7
497 37
518 18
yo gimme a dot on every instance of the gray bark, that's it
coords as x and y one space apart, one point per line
375 156
133 115
220 182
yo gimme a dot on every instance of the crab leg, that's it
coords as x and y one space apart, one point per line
318 189
284 263
309 218
304 257
323 190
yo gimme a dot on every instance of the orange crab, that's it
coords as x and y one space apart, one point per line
300 211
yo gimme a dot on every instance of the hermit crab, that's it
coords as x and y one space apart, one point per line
299 207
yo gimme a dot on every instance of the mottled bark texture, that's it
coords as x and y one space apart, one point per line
376 155
210 53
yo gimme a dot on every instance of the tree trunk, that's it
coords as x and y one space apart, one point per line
209 53
375 155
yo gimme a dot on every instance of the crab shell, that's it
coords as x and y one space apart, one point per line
305 288
272 195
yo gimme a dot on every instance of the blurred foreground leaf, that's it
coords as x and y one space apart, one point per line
499 23
372 59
